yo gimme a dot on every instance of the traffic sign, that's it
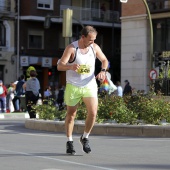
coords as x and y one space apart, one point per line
153 74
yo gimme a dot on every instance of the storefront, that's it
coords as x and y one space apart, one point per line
46 68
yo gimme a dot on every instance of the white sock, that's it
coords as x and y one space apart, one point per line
70 138
85 135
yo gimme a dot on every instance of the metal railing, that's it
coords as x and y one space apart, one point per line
5 6
158 5
89 14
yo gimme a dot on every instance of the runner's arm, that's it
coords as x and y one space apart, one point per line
62 64
100 55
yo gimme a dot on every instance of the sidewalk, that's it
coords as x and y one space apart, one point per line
19 115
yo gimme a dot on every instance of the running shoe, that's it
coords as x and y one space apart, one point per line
85 144
70 148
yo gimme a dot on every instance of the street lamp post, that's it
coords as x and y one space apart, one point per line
151 30
18 40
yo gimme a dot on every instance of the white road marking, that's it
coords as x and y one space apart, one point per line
51 169
58 160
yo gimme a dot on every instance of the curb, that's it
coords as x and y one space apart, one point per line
162 131
14 115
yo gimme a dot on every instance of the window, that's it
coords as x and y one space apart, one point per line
45 4
161 30
95 6
2 34
35 39
168 34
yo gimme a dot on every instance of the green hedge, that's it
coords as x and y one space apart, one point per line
127 109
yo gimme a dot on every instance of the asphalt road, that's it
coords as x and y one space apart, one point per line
25 149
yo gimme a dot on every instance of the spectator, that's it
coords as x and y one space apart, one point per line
3 94
127 89
60 99
56 93
11 90
32 87
119 89
7 99
47 93
103 10
18 93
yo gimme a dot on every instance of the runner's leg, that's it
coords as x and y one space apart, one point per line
69 121
91 105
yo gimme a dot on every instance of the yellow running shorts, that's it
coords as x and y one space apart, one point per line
73 94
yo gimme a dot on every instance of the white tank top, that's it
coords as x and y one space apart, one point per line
85 75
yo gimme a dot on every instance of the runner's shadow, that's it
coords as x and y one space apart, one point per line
36 154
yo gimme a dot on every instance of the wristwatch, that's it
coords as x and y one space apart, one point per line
103 69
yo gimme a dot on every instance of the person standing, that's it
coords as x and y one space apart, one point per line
32 87
119 89
10 91
78 61
60 98
103 10
3 94
56 93
19 92
127 89
47 95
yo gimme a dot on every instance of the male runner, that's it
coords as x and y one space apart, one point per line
78 61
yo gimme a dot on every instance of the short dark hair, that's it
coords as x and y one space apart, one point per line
118 83
88 29
22 77
33 73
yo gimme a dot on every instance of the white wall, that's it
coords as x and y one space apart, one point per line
8 53
135 43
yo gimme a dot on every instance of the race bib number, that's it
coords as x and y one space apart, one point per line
84 69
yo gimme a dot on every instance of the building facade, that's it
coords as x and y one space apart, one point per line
136 59
7 41
41 47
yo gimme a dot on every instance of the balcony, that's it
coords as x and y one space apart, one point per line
159 6
5 6
5 9
92 15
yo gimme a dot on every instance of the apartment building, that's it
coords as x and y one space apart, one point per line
41 47
7 41
136 42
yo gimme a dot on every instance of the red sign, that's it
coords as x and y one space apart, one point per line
153 74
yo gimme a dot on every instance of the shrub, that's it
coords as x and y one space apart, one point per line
114 108
127 109
46 111
149 110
